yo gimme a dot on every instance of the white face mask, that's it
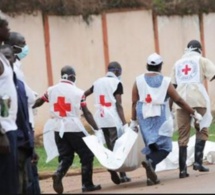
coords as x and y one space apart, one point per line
24 52
119 77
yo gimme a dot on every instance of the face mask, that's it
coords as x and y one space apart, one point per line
119 77
23 53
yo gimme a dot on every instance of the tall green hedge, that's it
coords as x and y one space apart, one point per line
88 7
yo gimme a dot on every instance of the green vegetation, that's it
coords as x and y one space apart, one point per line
52 165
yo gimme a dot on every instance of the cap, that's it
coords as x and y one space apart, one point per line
154 59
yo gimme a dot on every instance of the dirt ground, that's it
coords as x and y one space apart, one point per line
198 182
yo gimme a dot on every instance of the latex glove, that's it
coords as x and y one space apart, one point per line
124 128
197 116
100 136
134 125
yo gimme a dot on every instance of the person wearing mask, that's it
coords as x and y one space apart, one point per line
25 138
188 77
65 100
151 112
8 152
21 50
109 116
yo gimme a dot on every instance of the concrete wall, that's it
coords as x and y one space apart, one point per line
127 37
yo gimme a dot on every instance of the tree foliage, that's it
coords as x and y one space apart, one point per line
90 7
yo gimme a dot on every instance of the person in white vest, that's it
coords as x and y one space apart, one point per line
109 115
188 76
151 111
66 100
8 157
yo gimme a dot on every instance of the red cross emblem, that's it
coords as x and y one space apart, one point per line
102 101
148 98
186 69
62 107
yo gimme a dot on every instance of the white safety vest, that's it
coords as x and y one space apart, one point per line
106 114
187 72
152 97
8 88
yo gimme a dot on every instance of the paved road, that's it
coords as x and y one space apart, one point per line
198 182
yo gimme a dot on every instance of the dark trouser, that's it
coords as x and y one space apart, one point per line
70 144
156 157
9 167
33 186
24 161
110 135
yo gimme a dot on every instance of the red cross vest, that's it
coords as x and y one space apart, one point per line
187 70
65 101
152 97
106 114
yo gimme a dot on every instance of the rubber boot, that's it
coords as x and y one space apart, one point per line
57 178
124 178
198 157
182 162
114 177
152 178
87 179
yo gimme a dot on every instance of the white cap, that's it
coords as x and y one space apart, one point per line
154 59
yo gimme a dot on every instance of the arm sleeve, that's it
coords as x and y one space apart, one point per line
119 90
208 68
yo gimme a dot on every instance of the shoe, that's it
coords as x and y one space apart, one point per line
183 174
150 173
115 178
57 183
125 179
199 167
151 183
91 188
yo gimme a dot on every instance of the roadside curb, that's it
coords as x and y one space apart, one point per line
46 175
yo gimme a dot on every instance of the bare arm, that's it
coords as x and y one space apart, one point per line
120 108
178 99
89 117
39 102
171 101
135 98
88 92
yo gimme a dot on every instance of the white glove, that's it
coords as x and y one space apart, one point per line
134 125
100 136
197 116
125 128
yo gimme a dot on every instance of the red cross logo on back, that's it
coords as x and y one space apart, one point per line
62 107
186 69
102 101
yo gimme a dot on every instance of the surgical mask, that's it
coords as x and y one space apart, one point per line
119 77
24 52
